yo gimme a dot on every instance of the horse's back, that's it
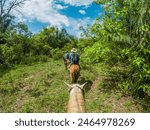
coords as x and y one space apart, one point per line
74 72
74 67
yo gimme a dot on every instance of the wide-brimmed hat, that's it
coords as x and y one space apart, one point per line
74 50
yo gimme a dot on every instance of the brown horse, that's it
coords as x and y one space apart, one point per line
66 62
74 73
76 99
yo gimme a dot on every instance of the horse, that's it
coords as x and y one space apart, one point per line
66 62
74 72
76 99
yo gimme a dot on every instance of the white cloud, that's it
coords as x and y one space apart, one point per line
74 30
59 7
82 12
42 10
47 11
78 2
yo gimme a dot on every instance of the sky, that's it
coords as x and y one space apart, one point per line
68 14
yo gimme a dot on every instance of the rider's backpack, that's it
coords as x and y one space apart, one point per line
67 56
75 58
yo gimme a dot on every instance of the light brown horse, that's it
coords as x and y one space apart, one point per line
76 99
66 62
74 73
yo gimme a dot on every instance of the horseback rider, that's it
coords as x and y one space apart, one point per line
74 57
66 56
74 67
66 59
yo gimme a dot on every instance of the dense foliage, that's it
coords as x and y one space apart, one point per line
19 45
121 40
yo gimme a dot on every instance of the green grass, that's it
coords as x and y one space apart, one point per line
36 88
105 99
40 88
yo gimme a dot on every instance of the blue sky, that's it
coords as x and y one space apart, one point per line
68 14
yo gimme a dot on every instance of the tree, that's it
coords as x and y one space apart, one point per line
23 29
123 43
6 7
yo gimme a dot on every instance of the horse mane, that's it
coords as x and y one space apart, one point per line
76 99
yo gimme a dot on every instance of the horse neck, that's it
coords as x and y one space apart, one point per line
76 101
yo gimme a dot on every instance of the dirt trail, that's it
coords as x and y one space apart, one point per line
34 75
94 87
109 99
25 88
96 82
98 79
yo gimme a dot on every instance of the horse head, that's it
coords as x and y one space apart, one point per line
76 98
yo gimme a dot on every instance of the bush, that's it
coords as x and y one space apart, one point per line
28 60
57 54
42 58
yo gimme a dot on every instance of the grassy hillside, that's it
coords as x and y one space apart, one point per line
36 88
40 88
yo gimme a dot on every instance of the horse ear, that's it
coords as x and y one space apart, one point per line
83 85
68 84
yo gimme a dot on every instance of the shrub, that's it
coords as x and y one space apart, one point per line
57 54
